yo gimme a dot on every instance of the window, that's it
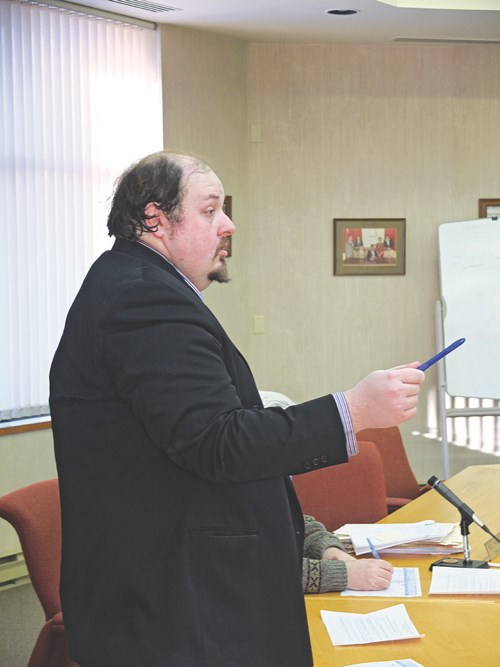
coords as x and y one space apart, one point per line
80 100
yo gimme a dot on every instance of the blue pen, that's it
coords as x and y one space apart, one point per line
440 355
372 548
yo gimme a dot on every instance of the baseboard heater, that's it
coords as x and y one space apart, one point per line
13 571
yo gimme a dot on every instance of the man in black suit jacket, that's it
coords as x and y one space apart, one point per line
182 536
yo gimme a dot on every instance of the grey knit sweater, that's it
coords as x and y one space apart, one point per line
321 576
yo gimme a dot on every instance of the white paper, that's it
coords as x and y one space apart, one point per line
406 662
454 581
384 625
384 536
405 583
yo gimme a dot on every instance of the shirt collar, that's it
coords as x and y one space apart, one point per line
184 277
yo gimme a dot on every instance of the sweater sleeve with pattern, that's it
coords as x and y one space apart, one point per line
321 576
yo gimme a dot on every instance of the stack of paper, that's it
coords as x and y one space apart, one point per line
423 537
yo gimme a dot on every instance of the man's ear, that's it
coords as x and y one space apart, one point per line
151 210
157 220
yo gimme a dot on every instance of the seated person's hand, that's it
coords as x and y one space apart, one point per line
332 553
368 574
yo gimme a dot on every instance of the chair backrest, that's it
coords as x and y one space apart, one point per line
34 511
399 478
352 492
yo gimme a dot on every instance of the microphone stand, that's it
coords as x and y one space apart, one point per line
466 562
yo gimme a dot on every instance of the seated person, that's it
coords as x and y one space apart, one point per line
371 255
327 566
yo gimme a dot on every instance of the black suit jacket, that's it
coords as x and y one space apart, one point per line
182 536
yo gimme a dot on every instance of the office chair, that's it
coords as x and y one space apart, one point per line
352 492
34 512
401 483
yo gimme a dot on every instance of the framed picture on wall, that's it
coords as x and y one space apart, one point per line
228 210
369 246
489 208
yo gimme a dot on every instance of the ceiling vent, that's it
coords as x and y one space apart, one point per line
146 6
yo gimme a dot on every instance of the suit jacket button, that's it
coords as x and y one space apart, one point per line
316 462
323 458
307 465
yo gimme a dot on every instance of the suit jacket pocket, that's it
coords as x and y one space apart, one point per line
226 574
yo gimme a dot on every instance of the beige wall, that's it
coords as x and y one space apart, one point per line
399 130
382 131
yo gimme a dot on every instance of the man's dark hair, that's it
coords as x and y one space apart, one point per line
158 179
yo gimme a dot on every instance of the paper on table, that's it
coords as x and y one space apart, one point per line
405 583
384 625
406 662
452 543
388 535
454 581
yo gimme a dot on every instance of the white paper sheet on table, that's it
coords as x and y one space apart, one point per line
383 625
405 583
406 662
456 581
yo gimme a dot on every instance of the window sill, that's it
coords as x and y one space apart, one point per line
23 425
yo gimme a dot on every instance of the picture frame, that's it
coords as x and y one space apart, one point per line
489 208
369 246
227 207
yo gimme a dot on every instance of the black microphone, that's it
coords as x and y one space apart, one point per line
464 509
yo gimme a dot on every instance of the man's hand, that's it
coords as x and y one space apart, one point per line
385 398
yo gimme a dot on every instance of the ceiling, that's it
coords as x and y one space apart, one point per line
308 21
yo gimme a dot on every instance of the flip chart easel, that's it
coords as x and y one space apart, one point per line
469 263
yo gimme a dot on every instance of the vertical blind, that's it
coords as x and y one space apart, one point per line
80 99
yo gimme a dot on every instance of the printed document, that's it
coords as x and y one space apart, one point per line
384 625
405 583
456 581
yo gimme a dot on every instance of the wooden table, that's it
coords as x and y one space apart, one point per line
456 633
460 629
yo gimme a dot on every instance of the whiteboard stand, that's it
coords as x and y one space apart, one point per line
445 412
445 465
